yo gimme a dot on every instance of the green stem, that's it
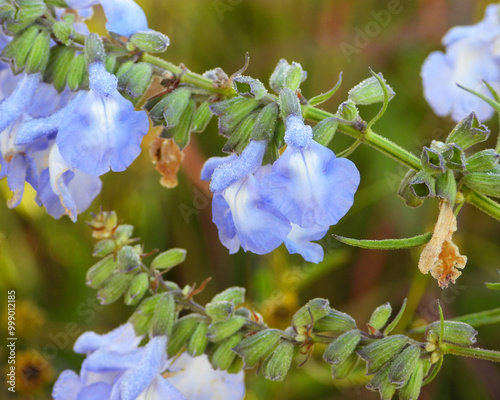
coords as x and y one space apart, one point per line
369 137
187 76
474 352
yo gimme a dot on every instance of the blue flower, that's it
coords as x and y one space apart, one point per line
117 369
308 184
100 129
471 56
125 17
242 217
299 240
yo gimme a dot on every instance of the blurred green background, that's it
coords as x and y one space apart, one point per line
46 260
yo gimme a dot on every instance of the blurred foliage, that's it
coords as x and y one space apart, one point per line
46 260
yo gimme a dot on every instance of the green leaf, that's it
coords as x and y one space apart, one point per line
387 98
325 96
386 244
396 320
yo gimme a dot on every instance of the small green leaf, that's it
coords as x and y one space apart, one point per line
325 96
387 244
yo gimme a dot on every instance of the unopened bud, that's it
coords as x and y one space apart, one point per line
231 112
221 330
411 388
485 182
278 364
404 364
202 116
341 348
181 332
101 271
369 91
234 294
128 259
482 161
468 132
198 341
314 310
103 247
137 289
164 316
168 259
377 353
334 321
454 332
224 355
112 289
77 73
380 316
258 346
323 131
150 41
219 310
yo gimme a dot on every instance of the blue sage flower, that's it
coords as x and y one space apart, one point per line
117 369
242 217
471 56
125 17
299 241
100 129
308 184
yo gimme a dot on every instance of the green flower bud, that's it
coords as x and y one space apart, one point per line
58 66
311 312
231 112
38 57
412 386
323 131
276 367
404 364
164 316
454 156
377 353
468 132
181 332
369 91
341 348
169 259
348 111
110 64
343 369
112 289
423 185
287 76
482 161
486 182
219 310
236 366
137 290
123 233
266 123
63 30
224 356
446 186
135 81
181 133
201 117
334 321
221 330
295 76
29 11
405 192
258 346
128 259
198 341
279 134
101 271
289 103
432 161
242 134
380 316
249 87
19 47
77 73
103 247
150 41
454 332
94 49
380 382
7 11
234 294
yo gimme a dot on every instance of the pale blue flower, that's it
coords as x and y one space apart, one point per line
471 56
192 377
117 369
125 17
242 217
308 184
101 130
64 190
299 240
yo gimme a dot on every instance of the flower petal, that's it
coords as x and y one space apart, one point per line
125 17
96 391
212 163
13 106
310 186
299 241
119 340
67 386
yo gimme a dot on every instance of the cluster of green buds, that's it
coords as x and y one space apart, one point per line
235 337
446 167
34 24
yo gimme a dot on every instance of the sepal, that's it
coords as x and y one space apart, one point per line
150 41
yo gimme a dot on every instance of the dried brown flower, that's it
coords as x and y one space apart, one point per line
441 256
167 157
